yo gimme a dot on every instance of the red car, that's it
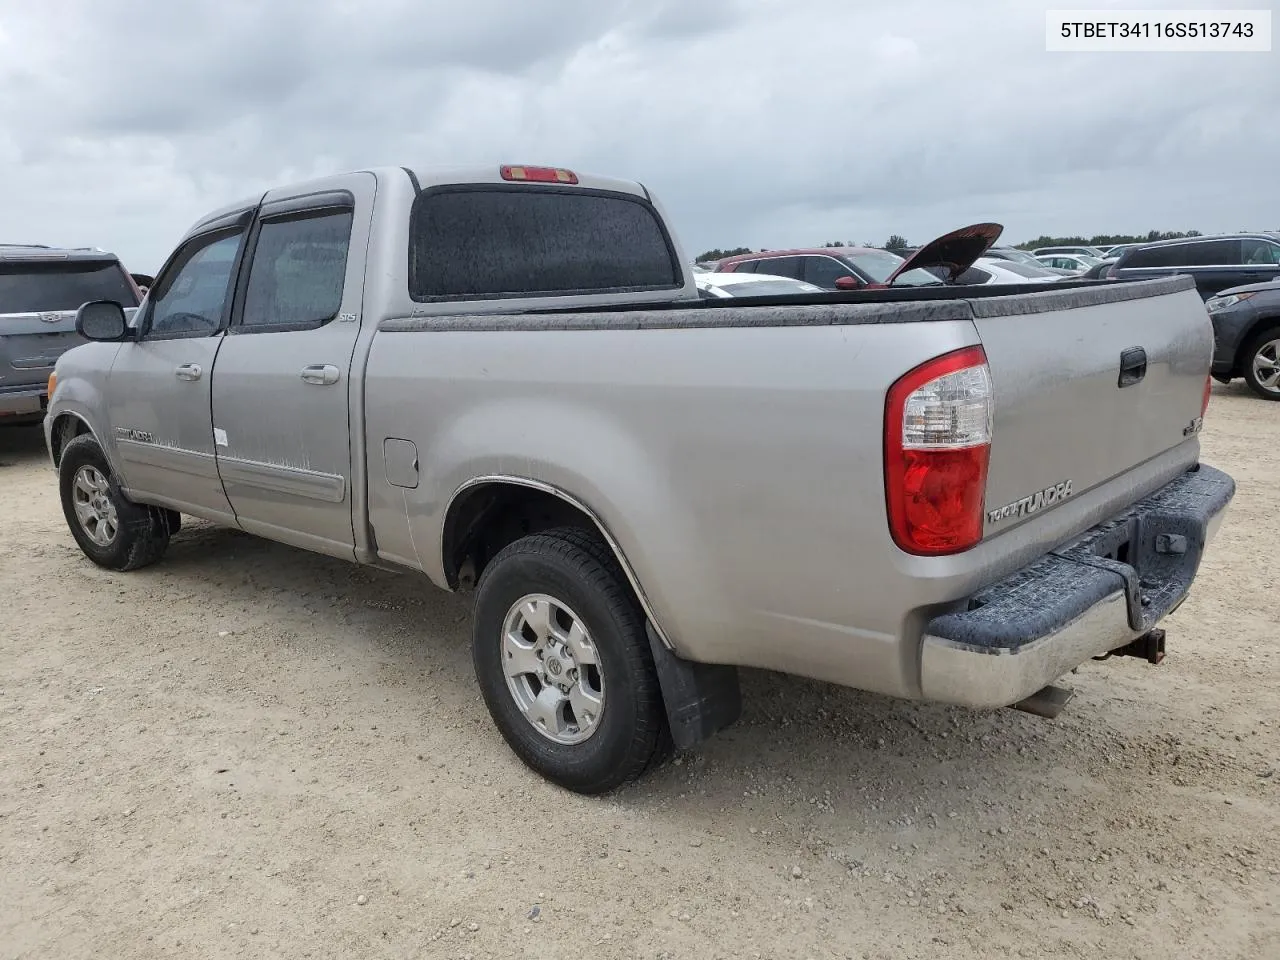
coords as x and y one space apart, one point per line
863 268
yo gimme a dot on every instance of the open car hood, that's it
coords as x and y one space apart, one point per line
954 252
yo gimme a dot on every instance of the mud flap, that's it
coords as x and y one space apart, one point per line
701 698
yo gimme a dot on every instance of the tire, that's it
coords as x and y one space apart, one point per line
579 581
118 534
1266 343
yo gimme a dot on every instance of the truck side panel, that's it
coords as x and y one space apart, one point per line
746 493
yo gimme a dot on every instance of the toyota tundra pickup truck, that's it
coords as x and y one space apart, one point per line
504 380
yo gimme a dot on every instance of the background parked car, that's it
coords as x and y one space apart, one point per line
1078 251
1246 336
1217 263
831 268
40 290
1113 252
1071 262
1099 271
1022 256
719 285
1009 271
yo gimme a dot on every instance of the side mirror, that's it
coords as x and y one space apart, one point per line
847 283
103 321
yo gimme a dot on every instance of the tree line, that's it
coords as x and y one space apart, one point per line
897 244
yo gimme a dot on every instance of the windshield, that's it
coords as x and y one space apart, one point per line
1021 256
880 264
44 287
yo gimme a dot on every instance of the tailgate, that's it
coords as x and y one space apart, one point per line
30 344
40 291
1089 384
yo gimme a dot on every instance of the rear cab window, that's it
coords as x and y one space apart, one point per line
490 241
28 286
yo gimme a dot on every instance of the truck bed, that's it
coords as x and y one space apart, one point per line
675 435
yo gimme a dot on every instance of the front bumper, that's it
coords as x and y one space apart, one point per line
1085 599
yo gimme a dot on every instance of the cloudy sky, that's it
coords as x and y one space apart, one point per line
758 122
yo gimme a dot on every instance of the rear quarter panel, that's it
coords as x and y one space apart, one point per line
739 469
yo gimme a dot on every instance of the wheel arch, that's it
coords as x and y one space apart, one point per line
1270 321
66 427
487 513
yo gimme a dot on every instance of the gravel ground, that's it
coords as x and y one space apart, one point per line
252 751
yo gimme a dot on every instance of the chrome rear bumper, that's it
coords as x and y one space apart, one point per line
1083 600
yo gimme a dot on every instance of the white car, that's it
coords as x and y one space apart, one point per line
1085 251
1007 271
717 285
1076 262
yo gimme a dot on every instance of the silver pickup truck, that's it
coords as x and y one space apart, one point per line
504 379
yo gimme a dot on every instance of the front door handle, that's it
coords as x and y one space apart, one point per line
320 373
188 371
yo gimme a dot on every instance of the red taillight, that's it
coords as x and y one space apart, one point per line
539 174
937 435
1208 389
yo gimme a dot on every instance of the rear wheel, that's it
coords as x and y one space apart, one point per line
564 664
1262 364
112 531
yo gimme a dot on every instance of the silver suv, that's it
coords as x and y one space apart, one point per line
40 290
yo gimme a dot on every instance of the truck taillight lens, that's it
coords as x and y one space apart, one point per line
937 446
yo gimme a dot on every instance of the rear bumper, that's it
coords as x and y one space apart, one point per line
1085 599
22 401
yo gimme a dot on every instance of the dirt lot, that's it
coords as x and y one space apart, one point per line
251 751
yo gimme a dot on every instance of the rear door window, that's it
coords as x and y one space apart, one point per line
298 271
1212 253
792 267
525 241
1174 255
27 287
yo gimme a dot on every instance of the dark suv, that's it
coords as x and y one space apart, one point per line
1246 336
40 290
1216 263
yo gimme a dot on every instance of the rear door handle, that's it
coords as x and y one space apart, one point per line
1133 366
322 374
188 371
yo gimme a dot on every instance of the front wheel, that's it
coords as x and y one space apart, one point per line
1262 364
112 531
564 664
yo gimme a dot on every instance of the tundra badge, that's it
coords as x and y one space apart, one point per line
1032 503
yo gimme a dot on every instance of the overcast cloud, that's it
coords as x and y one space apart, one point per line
758 122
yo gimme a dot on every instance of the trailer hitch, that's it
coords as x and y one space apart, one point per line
1148 647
